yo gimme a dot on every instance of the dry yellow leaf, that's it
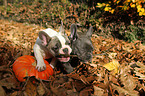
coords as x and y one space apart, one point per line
112 66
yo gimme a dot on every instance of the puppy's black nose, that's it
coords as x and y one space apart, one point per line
65 50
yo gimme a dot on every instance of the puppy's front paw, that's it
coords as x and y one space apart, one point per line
69 70
68 67
41 67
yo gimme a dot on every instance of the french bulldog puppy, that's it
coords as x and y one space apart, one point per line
50 44
81 43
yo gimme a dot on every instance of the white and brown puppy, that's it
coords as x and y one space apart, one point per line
50 44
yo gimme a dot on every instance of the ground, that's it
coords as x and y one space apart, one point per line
117 67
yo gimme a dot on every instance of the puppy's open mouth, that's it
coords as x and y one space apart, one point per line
64 57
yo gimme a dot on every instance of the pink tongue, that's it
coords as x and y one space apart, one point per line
62 59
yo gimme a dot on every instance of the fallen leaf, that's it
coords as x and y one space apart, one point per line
17 93
112 55
128 81
114 65
79 85
98 91
84 79
127 47
121 90
40 90
72 93
141 65
93 65
30 89
57 90
113 79
86 91
9 82
2 91
139 70
141 76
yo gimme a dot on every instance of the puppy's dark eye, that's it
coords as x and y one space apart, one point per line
68 42
89 48
55 47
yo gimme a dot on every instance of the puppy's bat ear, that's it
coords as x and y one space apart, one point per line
90 32
73 36
61 30
44 37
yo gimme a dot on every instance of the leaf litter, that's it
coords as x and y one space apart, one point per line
117 67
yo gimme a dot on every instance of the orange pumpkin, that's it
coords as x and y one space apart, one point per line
26 66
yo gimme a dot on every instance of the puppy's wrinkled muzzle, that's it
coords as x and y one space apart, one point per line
85 57
65 50
63 57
